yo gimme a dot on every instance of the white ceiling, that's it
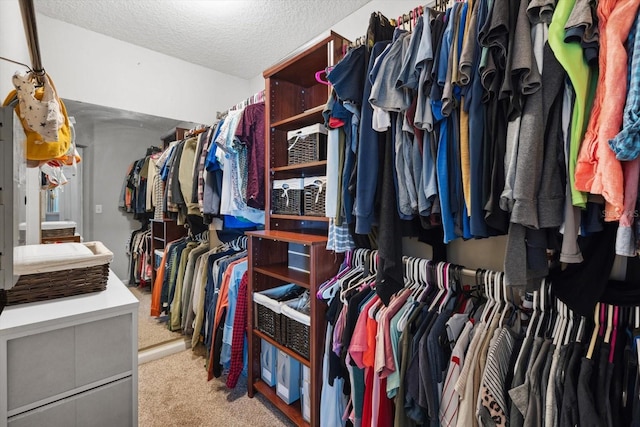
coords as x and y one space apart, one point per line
237 37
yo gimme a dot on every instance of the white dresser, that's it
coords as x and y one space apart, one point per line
71 361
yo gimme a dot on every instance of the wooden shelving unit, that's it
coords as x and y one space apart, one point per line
294 99
163 232
268 268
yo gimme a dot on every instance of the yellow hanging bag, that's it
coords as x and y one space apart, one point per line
43 116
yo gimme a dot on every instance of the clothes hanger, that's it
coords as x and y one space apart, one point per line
508 305
609 328
570 325
542 294
446 277
412 277
482 283
562 323
580 330
497 287
488 291
424 266
319 79
557 321
614 334
330 287
534 314
491 293
350 281
441 290
594 336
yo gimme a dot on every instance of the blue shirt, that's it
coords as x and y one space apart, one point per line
367 154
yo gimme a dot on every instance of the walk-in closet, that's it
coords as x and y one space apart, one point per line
336 213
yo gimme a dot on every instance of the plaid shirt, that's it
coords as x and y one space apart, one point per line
239 329
626 144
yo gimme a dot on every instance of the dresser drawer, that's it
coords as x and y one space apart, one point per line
47 364
106 406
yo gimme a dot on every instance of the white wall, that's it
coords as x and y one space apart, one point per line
94 68
90 67
13 43
256 84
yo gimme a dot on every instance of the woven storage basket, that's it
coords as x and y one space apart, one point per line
269 322
55 271
58 284
297 337
59 232
297 325
268 317
287 197
315 189
51 229
307 145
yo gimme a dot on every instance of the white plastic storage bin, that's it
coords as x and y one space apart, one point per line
268 360
288 386
305 396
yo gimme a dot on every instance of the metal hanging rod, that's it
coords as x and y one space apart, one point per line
31 31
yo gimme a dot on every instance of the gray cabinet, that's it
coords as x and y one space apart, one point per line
71 362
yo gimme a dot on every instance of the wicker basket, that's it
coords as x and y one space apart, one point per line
61 270
287 197
269 322
306 145
268 317
297 336
50 229
59 232
58 284
297 325
315 189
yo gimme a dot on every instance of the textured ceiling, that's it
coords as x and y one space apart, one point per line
236 37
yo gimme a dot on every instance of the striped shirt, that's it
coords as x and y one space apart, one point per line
493 403
450 397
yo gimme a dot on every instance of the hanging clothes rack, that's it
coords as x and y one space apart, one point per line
411 17
253 99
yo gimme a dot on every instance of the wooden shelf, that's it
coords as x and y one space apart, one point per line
301 217
283 272
293 411
302 167
291 237
281 347
306 118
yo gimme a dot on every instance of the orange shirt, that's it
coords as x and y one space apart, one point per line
156 292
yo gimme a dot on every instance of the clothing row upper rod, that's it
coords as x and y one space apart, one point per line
253 99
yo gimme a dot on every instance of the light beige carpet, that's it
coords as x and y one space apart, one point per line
174 391
151 332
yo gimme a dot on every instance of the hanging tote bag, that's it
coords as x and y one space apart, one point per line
43 116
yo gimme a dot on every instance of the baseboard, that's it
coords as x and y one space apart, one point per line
164 350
